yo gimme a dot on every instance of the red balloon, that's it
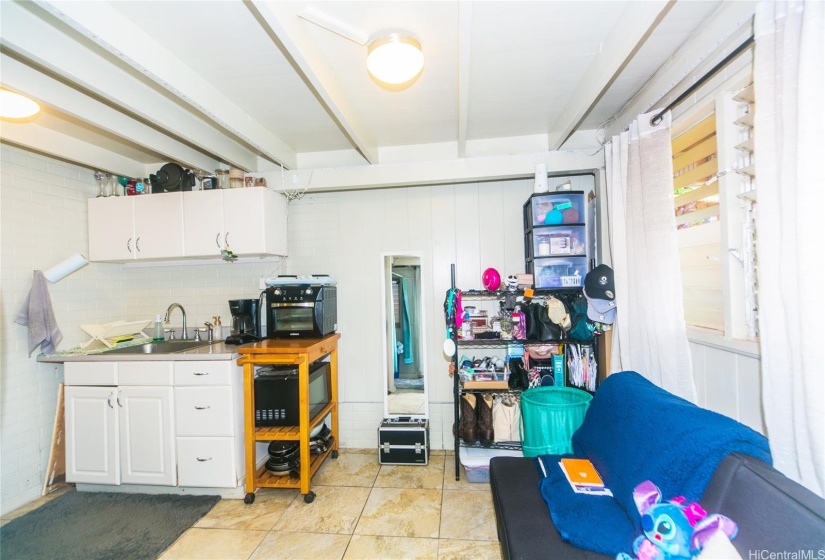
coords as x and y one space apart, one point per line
491 279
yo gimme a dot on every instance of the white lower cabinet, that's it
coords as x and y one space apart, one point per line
91 435
120 435
206 462
147 442
208 407
176 423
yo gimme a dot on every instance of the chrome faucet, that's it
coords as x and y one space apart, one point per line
183 336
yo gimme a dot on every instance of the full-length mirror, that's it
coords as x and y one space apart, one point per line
405 375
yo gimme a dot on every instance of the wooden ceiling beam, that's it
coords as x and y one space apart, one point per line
62 146
284 27
118 35
631 30
47 90
732 21
36 39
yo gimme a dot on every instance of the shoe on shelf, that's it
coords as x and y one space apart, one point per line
484 415
467 424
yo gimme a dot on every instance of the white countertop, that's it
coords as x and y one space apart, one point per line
214 351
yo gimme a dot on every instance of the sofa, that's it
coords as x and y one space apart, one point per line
773 514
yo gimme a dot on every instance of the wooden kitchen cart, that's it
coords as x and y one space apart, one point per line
300 352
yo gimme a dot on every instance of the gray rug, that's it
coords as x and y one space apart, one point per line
91 525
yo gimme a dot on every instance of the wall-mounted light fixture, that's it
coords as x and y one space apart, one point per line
16 106
395 58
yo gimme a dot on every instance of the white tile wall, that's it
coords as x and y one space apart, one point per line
43 214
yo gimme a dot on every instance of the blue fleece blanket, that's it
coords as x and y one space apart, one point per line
635 431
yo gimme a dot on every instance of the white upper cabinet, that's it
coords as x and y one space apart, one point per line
136 227
251 222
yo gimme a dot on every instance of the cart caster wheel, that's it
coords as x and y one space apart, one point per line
310 497
249 498
334 454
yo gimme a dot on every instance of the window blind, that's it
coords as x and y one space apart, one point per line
696 204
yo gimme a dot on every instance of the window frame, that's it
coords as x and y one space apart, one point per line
720 100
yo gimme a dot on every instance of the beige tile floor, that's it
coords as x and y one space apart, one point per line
362 510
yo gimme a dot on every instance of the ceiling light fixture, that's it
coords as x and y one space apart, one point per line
16 106
395 58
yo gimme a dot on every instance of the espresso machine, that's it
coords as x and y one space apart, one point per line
246 324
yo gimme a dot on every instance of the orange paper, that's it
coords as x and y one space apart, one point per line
581 472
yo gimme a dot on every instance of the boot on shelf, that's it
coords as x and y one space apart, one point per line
484 414
467 424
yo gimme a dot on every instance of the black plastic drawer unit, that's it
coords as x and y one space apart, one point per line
404 442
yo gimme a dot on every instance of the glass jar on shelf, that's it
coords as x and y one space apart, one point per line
223 178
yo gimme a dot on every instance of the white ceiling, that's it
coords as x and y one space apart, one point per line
249 84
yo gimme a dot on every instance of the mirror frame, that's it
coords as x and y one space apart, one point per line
422 334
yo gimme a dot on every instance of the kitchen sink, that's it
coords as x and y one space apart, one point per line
167 347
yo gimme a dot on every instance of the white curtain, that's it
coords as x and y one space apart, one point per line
789 152
649 335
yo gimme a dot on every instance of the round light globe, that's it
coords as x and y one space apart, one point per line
16 106
395 58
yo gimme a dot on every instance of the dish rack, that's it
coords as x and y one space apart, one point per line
109 333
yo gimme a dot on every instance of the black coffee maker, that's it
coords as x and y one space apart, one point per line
246 325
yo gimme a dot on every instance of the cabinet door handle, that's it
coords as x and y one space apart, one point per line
137 244
118 400
200 373
201 407
129 245
226 240
203 460
109 399
217 237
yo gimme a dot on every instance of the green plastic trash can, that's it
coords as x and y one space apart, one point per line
549 417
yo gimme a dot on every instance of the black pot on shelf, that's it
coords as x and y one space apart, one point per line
172 177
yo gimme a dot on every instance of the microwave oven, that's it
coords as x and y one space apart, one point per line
276 393
301 311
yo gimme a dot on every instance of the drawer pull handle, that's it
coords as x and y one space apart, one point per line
200 373
204 460
201 407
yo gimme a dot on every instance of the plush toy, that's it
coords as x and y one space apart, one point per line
672 529
512 283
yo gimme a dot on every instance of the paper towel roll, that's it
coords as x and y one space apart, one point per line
63 269
541 178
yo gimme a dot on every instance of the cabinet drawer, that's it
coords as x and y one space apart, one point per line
202 373
144 373
203 411
206 462
90 373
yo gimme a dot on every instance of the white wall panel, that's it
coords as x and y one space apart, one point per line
728 382
749 393
472 225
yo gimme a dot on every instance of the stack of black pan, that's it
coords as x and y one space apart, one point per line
284 457
322 441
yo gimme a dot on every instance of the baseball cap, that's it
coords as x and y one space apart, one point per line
601 310
598 284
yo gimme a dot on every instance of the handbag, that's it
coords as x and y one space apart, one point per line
518 379
545 329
